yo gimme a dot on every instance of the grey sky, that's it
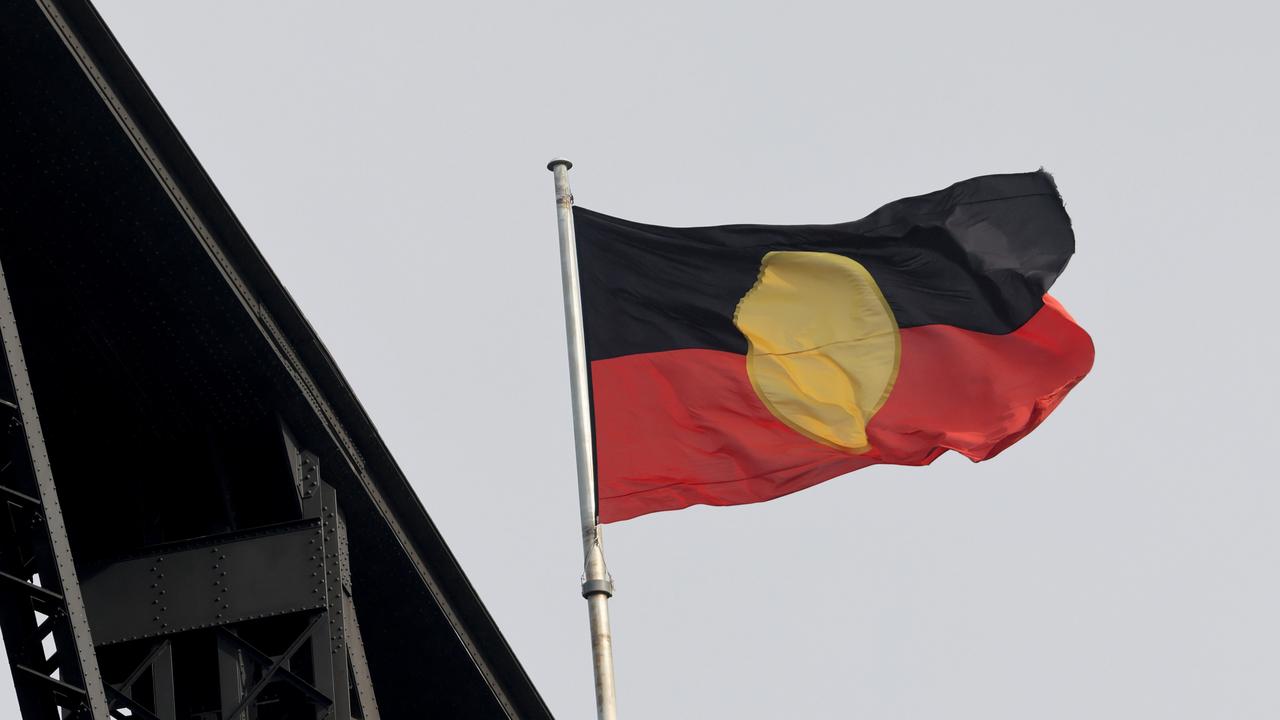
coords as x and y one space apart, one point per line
1118 563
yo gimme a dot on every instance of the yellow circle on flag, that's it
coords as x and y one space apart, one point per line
823 346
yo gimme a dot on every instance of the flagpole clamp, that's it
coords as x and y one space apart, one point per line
597 587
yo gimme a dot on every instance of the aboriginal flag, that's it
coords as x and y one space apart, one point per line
741 363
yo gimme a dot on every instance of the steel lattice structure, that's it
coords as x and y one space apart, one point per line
199 520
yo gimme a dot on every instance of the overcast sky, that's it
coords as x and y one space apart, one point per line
389 159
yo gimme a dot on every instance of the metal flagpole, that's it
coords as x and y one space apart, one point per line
597 587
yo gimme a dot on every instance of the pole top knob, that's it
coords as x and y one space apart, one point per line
559 161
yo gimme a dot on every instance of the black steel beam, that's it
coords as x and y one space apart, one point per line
59 585
298 349
214 583
161 335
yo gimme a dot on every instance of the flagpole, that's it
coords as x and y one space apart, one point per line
597 587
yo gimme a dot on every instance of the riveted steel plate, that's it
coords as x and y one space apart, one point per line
212 584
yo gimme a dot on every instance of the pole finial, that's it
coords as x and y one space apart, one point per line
559 161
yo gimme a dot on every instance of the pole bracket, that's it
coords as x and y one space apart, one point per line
597 587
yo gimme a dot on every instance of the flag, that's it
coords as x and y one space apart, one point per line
740 363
